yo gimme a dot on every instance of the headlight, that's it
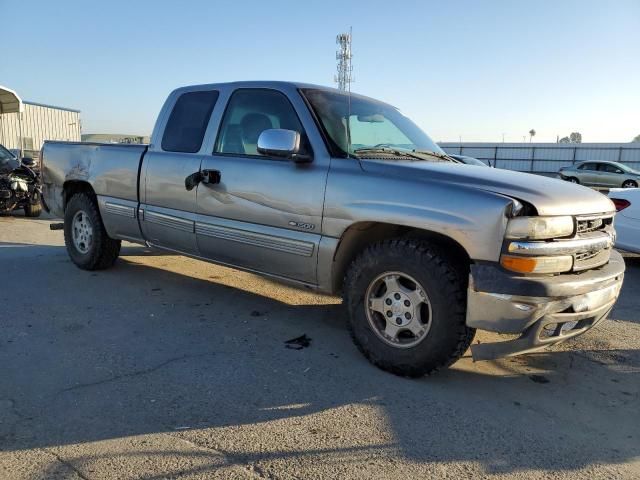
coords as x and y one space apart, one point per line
539 228
537 264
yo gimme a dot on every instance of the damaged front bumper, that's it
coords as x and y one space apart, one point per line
543 310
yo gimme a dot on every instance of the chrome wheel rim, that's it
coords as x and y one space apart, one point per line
398 309
82 232
573 180
628 185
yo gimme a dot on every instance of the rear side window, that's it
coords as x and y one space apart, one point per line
588 166
188 121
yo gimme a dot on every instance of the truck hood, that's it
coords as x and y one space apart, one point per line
549 196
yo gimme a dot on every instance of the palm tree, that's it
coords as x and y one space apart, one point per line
532 133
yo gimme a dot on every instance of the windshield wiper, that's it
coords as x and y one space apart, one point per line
389 151
442 156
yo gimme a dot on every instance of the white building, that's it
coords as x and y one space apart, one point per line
26 125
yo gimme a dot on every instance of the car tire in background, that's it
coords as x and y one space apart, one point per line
572 180
33 210
629 184
85 237
407 307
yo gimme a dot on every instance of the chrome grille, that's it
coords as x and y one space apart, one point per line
587 227
585 256
593 223
590 245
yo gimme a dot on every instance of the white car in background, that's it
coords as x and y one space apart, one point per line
627 201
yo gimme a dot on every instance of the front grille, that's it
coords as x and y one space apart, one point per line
586 227
585 261
590 245
585 256
593 223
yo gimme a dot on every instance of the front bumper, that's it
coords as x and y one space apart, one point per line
543 310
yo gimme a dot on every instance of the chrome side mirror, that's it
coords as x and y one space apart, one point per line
278 142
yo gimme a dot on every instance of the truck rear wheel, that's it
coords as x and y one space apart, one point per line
85 237
407 307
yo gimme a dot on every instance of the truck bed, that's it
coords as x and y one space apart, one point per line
111 169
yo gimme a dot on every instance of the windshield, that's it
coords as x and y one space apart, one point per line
8 163
371 124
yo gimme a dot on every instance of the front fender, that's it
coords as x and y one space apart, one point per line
473 218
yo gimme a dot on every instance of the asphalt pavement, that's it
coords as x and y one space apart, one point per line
167 367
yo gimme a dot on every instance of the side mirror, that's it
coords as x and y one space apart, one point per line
278 142
28 162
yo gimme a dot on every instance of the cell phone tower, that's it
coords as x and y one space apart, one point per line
344 76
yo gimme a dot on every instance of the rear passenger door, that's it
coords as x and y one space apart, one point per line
266 212
167 211
589 174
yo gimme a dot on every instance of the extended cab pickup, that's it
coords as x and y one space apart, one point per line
343 194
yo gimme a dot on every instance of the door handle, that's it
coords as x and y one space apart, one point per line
210 177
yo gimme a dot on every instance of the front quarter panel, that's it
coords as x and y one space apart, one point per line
473 218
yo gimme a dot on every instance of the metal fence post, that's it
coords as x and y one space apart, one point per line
573 161
533 156
620 154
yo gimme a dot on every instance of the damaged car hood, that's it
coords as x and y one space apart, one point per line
549 196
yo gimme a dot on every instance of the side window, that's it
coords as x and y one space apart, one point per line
248 114
589 166
610 168
188 121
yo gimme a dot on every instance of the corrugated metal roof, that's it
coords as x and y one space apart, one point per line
9 101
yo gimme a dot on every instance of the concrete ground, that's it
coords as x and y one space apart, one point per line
165 367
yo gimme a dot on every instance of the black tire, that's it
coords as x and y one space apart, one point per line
33 210
573 180
103 250
629 184
445 285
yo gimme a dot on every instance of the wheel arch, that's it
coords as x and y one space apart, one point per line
72 187
359 236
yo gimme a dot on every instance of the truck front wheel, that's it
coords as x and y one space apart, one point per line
85 237
407 307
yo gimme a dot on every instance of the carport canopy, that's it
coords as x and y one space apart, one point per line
10 102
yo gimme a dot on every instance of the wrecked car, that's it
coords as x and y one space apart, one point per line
20 185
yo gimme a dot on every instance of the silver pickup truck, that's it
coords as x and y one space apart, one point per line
343 194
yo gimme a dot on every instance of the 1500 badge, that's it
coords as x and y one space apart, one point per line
306 226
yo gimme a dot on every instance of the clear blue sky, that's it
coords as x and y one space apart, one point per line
458 68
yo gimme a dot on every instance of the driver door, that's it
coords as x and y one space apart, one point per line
265 214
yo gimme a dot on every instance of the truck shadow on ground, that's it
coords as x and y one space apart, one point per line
143 349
